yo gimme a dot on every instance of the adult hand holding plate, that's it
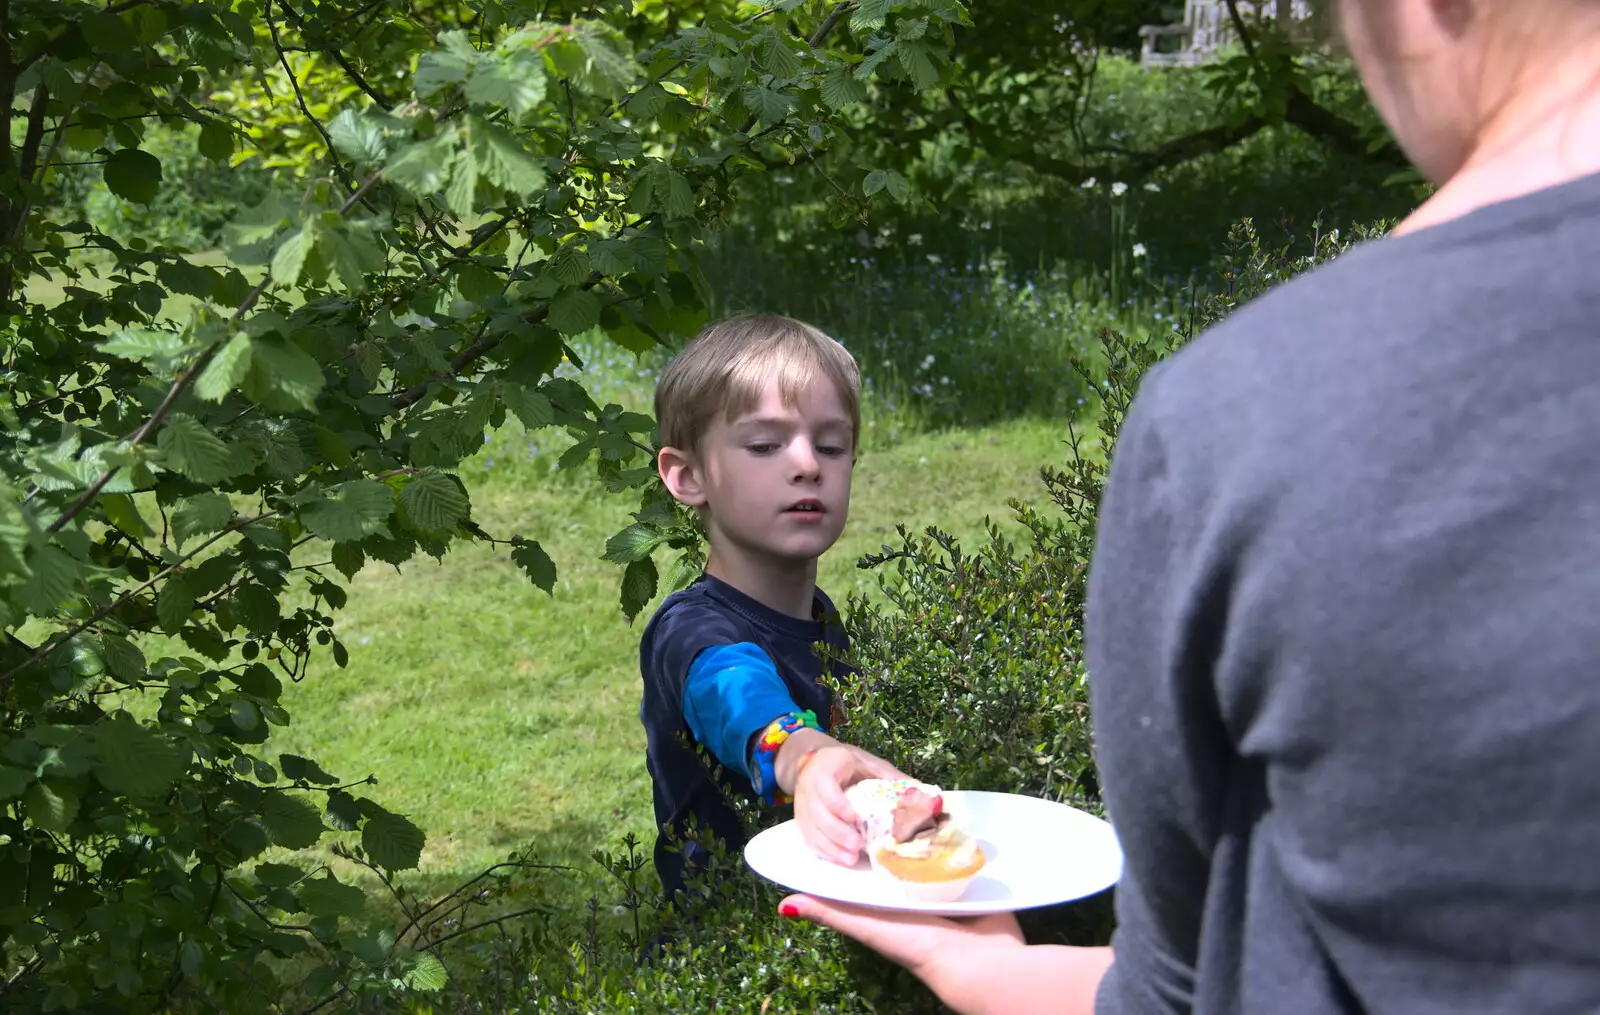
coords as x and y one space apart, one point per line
1038 853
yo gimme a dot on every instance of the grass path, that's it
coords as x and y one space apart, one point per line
498 717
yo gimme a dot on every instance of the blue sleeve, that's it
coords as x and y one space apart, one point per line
732 693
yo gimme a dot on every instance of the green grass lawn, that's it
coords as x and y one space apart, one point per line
499 717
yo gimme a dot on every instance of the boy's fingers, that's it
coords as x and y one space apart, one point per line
877 768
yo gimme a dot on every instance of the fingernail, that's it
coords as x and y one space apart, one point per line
789 911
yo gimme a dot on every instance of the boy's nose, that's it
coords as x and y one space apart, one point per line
804 461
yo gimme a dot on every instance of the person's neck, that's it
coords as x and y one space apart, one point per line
1547 135
788 586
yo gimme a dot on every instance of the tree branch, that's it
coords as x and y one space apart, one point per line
833 18
337 56
109 608
300 100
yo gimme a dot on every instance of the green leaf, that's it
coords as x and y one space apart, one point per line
503 161
461 192
422 971
283 377
899 187
574 311
358 138
216 141
433 502
257 607
226 371
875 181
871 14
13 782
439 69
348 558
290 260
342 811
611 257
123 658
638 587
292 822
202 513
609 72
517 84
149 345
352 253
326 897
174 603
133 175
914 60
678 199
530 556
297 768
767 105
54 578
684 571
476 283
531 407
875 59
279 875
776 55
840 89
51 805
124 514
135 760
425 167
359 509
634 543
392 841
570 265
195 451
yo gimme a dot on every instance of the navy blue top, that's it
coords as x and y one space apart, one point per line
708 614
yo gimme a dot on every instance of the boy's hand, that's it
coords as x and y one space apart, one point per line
826 819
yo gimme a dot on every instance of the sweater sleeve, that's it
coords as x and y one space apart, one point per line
732 693
1160 743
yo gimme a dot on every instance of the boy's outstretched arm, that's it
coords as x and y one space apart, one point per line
731 697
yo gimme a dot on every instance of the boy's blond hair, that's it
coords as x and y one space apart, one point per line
728 364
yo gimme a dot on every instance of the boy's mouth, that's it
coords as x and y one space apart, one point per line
809 506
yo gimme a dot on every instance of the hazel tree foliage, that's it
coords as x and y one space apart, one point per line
198 457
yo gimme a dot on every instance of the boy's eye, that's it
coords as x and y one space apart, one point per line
761 448
832 450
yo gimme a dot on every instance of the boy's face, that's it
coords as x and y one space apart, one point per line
774 482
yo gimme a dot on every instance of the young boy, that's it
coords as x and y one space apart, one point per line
759 419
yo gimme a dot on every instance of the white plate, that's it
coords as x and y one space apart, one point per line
1039 853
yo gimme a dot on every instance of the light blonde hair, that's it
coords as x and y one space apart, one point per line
730 362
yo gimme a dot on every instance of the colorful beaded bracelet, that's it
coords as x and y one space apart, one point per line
763 771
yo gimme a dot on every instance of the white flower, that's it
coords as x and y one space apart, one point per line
1153 187
986 224
1118 189
1138 250
934 259
1089 184
927 361
915 239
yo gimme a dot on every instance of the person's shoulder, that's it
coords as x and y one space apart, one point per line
693 613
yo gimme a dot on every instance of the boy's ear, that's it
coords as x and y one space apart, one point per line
681 474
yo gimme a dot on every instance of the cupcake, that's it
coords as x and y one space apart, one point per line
912 841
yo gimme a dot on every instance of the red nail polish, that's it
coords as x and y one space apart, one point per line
789 911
